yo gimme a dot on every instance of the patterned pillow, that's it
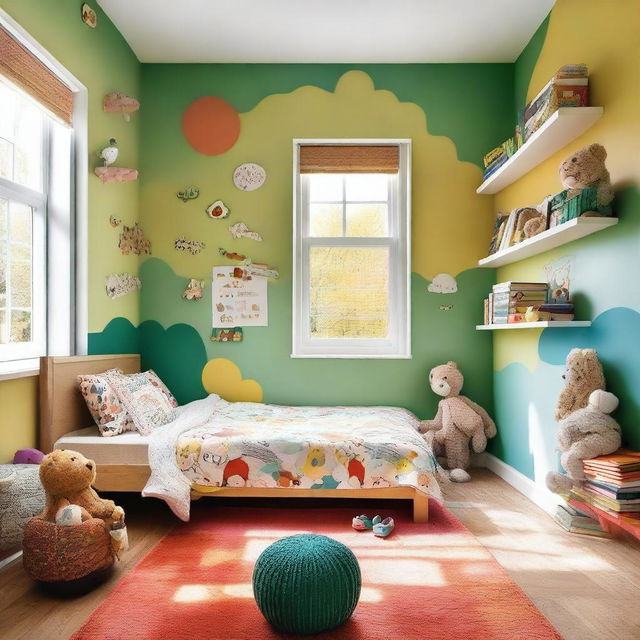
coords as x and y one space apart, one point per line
104 405
146 399
108 411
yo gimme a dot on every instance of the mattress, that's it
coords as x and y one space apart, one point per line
125 448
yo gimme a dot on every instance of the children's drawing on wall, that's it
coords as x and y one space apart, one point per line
443 283
239 300
119 284
132 240
188 246
194 289
190 193
89 16
252 268
217 210
240 230
558 275
115 222
227 335
249 176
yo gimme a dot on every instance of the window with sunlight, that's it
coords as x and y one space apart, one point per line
351 250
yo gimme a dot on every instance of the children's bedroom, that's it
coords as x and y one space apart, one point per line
319 320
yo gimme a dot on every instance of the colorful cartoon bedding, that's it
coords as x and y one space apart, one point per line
247 444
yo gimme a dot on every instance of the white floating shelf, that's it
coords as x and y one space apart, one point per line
549 324
566 124
547 240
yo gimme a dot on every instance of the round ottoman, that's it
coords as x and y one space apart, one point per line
67 560
306 583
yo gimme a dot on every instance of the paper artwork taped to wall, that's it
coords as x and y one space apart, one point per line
443 283
249 176
194 289
115 222
217 210
119 284
188 246
239 300
190 193
227 335
558 275
89 16
132 240
240 230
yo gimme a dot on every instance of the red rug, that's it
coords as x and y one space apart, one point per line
430 581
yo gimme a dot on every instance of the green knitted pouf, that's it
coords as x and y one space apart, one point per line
306 583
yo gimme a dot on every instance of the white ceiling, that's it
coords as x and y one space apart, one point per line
355 31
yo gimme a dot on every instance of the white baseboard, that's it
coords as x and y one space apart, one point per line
538 494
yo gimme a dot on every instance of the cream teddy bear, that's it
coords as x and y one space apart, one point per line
458 422
585 433
583 375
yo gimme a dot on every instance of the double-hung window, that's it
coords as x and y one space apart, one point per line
351 249
36 209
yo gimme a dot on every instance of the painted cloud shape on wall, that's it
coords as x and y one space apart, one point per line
443 283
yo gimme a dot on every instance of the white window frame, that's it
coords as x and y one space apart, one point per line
65 212
398 345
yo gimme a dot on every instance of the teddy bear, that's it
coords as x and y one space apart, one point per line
586 433
586 169
66 477
583 375
458 422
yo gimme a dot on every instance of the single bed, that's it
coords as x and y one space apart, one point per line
123 463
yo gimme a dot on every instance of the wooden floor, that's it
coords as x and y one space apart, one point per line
588 588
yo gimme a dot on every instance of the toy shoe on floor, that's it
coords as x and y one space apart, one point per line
382 528
362 523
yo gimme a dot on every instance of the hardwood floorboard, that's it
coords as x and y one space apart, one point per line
588 588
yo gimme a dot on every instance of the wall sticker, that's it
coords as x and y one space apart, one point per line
443 283
190 193
119 284
189 246
217 210
240 230
132 240
194 290
249 176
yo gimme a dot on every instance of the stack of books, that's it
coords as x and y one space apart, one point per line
569 87
498 156
573 520
509 301
556 311
613 484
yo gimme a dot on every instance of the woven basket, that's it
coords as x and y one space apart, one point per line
58 553
306 583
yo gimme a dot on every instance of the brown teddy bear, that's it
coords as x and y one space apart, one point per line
67 477
583 375
458 422
585 168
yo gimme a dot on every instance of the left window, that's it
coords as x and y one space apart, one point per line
24 145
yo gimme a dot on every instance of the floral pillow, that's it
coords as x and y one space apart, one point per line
146 399
100 392
104 405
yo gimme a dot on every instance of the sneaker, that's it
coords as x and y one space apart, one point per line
382 528
362 523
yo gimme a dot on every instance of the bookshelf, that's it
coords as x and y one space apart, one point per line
547 240
546 324
566 124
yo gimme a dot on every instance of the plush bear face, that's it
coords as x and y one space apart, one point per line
584 167
584 370
446 380
65 472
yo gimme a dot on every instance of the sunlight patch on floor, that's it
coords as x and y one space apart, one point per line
189 593
213 557
418 573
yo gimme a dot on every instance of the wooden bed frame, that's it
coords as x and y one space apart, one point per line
62 409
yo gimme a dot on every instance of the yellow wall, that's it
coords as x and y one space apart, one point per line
18 415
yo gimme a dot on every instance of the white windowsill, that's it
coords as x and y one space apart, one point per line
12 369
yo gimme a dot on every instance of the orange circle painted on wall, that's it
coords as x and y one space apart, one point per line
211 125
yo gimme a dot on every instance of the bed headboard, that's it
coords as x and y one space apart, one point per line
62 407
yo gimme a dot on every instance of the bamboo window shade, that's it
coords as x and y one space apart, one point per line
29 73
367 158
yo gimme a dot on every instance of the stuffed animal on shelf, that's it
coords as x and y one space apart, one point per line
583 375
458 422
586 169
585 433
67 477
